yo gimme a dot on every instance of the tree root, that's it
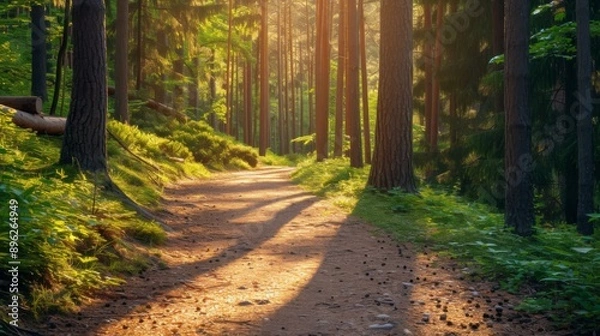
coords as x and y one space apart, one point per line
114 189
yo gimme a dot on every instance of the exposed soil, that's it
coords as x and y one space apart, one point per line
252 254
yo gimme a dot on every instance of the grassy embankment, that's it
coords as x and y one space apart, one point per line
561 267
74 238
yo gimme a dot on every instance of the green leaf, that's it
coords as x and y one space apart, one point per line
583 250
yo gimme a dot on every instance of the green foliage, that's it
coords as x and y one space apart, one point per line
556 262
214 149
334 179
272 159
75 239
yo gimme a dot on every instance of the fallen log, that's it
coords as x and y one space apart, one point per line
29 104
39 123
156 106
166 110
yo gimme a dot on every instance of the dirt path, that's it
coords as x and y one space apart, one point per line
252 254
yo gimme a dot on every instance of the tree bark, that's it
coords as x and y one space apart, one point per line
585 130
518 159
498 44
365 85
435 102
392 158
322 68
428 64
341 71
121 62
84 143
38 52
352 87
60 58
139 71
248 135
29 104
264 79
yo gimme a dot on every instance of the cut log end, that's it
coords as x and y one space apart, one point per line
29 104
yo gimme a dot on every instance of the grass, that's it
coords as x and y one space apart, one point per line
556 263
74 238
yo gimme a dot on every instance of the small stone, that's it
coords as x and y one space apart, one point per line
407 332
443 317
383 317
379 326
245 303
426 317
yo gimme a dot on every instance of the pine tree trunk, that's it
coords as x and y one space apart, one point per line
264 80
84 142
248 136
60 58
38 52
341 71
292 77
160 92
392 158
518 159
322 79
585 130
365 85
428 61
228 85
352 86
498 44
435 102
121 62
139 76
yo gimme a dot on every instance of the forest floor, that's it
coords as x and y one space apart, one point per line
252 254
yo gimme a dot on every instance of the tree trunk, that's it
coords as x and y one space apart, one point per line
585 130
192 90
322 68
228 84
160 92
435 103
121 62
291 77
139 76
310 40
392 158
365 85
60 58
248 136
280 92
518 159
38 52
84 142
428 64
352 87
264 79
341 71
498 44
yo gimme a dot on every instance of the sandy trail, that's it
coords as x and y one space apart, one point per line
253 254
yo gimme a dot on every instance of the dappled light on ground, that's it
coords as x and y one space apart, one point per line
251 254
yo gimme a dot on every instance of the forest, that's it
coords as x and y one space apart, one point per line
296 167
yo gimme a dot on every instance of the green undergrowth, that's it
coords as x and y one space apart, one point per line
558 265
213 149
290 160
74 238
